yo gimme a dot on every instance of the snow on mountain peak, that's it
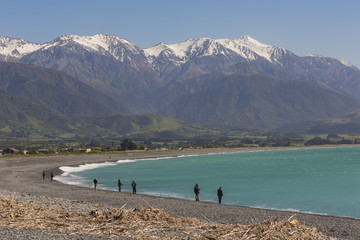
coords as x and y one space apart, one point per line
104 44
314 55
246 47
156 50
249 39
100 40
100 43
261 49
348 64
16 48
181 50
178 49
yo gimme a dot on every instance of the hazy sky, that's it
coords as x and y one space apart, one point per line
324 27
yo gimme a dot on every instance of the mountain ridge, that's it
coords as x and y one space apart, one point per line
149 80
258 102
56 90
241 46
105 42
45 103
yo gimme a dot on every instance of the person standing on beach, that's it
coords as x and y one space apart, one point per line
95 183
43 174
220 194
51 176
197 192
119 184
133 184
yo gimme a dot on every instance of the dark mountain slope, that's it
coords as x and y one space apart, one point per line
56 90
135 104
349 124
145 125
259 102
179 89
21 117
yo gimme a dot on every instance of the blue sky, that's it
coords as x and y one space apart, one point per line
325 27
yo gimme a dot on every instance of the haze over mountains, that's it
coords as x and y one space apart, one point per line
239 83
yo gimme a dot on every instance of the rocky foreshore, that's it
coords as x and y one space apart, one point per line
45 217
21 180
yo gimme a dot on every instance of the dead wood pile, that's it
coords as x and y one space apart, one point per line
142 223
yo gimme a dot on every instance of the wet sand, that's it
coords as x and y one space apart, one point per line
24 176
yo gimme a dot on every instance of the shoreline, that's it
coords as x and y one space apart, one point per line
202 152
24 176
87 166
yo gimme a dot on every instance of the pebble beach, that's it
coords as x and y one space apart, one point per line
21 180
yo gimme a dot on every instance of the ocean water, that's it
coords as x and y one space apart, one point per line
319 180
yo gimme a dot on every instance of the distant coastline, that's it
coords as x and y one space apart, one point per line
188 152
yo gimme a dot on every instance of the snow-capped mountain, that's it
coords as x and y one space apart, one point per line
149 80
245 47
242 49
205 55
103 44
12 48
111 64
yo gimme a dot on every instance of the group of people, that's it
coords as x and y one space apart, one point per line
133 185
51 176
220 193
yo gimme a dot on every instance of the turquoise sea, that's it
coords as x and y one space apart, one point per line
318 180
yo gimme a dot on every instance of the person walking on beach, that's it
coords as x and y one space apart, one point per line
197 192
51 176
95 183
119 184
220 194
133 184
43 174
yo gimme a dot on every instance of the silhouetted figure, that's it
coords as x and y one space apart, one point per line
119 184
220 194
197 192
51 176
43 174
133 184
95 183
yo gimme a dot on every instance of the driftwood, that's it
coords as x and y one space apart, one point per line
142 223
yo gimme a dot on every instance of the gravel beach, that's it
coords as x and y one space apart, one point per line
21 178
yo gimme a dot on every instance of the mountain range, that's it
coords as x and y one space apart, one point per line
240 83
37 102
